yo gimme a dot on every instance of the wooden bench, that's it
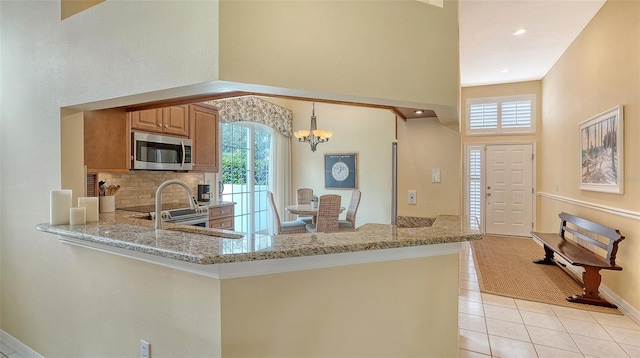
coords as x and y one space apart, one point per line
575 253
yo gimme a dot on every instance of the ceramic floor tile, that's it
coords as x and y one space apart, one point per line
474 341
598 347
473 296
508 348
469 285
506 329
623 335
469 307
573 313
463 353
541 320
502 313
552 338
531 306
468 276
472 323
615 320
549 352
587 329
632 351
499 300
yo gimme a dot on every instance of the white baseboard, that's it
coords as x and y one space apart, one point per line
604 291
16 346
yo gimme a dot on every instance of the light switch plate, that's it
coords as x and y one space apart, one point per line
435 175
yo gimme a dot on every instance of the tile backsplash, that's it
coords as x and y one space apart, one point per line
139 187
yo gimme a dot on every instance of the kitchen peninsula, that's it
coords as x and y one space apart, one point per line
379 290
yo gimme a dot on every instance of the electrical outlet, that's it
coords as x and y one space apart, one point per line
412 200
145 349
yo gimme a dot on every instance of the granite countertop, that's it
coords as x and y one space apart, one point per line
128 230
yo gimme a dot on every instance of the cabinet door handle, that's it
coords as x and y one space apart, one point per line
159 125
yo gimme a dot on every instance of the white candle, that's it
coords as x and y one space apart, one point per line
78 216
91 204
59 205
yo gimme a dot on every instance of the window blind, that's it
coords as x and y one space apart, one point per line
483 115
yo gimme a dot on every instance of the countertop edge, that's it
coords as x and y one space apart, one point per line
272 266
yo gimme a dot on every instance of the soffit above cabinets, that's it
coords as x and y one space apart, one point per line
402 112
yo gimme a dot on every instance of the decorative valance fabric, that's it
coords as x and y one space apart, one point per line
254 109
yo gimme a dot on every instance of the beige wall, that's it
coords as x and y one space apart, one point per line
307 45
405 308
425 144
72 150
599 71
66 301
58 299
368 132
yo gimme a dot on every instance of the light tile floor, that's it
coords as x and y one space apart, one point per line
496 326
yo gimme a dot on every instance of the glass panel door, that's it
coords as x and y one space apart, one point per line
246 158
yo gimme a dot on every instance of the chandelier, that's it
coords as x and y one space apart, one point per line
313 136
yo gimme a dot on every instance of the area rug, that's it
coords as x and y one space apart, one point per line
505 267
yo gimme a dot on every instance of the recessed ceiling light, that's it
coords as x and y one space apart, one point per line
418 111
519 32
505 70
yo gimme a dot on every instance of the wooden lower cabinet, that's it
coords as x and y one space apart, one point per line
221 217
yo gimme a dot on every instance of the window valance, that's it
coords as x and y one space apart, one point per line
254 109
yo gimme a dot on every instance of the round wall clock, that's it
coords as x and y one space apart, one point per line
340 171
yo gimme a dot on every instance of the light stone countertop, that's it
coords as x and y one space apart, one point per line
196 245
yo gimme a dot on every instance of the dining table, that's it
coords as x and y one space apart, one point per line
306 210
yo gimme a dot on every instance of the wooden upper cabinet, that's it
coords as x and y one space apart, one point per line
169 120
149 120
107 141
175 120
204 137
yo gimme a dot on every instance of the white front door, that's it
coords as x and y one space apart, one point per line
509 189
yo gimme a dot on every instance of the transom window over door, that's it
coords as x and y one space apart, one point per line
501 115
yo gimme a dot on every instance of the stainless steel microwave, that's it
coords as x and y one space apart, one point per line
160 152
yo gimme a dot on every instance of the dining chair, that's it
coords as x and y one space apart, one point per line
350 220
328 211
284 227
304 196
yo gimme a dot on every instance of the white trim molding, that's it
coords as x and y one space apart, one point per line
17 347
607 209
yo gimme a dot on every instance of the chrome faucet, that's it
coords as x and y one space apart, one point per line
192 203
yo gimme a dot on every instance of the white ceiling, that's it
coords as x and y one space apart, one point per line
488 46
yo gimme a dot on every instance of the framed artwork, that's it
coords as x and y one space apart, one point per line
341 171
601 152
